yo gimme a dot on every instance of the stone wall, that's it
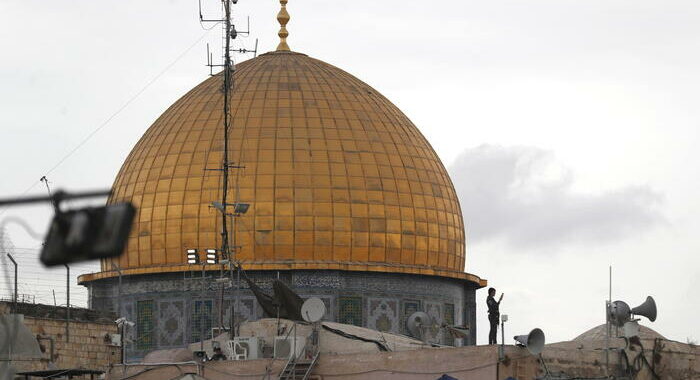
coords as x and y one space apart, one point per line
463 363
567 360
85 346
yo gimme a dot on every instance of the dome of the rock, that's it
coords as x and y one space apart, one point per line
336 176
348 202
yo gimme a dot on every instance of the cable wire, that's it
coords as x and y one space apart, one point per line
117 112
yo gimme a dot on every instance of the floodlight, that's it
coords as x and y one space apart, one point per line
192 257
218 205
211 256
240 208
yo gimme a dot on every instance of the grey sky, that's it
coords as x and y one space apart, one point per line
601 94
521 195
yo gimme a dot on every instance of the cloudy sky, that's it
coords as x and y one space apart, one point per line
569 127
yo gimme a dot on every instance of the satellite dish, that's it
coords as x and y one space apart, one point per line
417 323
313 310
647 309
534 341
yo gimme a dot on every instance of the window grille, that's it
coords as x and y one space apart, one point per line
201 319
350 310
145 324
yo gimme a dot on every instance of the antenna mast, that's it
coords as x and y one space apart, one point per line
229 33
228 71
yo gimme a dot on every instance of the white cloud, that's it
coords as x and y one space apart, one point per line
524 196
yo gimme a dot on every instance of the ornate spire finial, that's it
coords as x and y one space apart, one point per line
283 18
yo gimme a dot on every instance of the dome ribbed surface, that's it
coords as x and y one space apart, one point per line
336 176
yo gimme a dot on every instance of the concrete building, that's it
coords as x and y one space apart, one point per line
348 203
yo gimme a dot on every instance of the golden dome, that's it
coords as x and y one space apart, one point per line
336 176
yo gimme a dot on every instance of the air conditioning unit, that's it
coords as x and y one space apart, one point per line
288 346
245 348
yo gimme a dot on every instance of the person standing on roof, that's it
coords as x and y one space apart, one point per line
494 314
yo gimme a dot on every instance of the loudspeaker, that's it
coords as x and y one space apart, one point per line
619 313
534 341
647 309
417 323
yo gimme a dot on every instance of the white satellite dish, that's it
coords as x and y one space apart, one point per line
313 310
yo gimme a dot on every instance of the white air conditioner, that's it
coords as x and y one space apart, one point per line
287 346
245 348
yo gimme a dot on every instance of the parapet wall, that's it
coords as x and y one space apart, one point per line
86 345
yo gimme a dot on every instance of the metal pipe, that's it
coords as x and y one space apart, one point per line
502 353
238 288
14 298
221 300
201 313
234 251
67 302
119 289
119 311
231 332
607 322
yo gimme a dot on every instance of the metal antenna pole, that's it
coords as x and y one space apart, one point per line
230 33
607 322
14 297
227 89
228 86
46 182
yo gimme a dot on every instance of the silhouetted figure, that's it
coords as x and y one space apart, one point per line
494 314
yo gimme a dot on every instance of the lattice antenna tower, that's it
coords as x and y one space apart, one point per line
229 34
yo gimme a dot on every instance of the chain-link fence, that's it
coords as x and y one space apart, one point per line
38 284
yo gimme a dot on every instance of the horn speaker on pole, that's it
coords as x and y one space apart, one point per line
534 341
647 309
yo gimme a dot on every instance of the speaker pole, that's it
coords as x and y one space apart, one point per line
607 322
502 350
